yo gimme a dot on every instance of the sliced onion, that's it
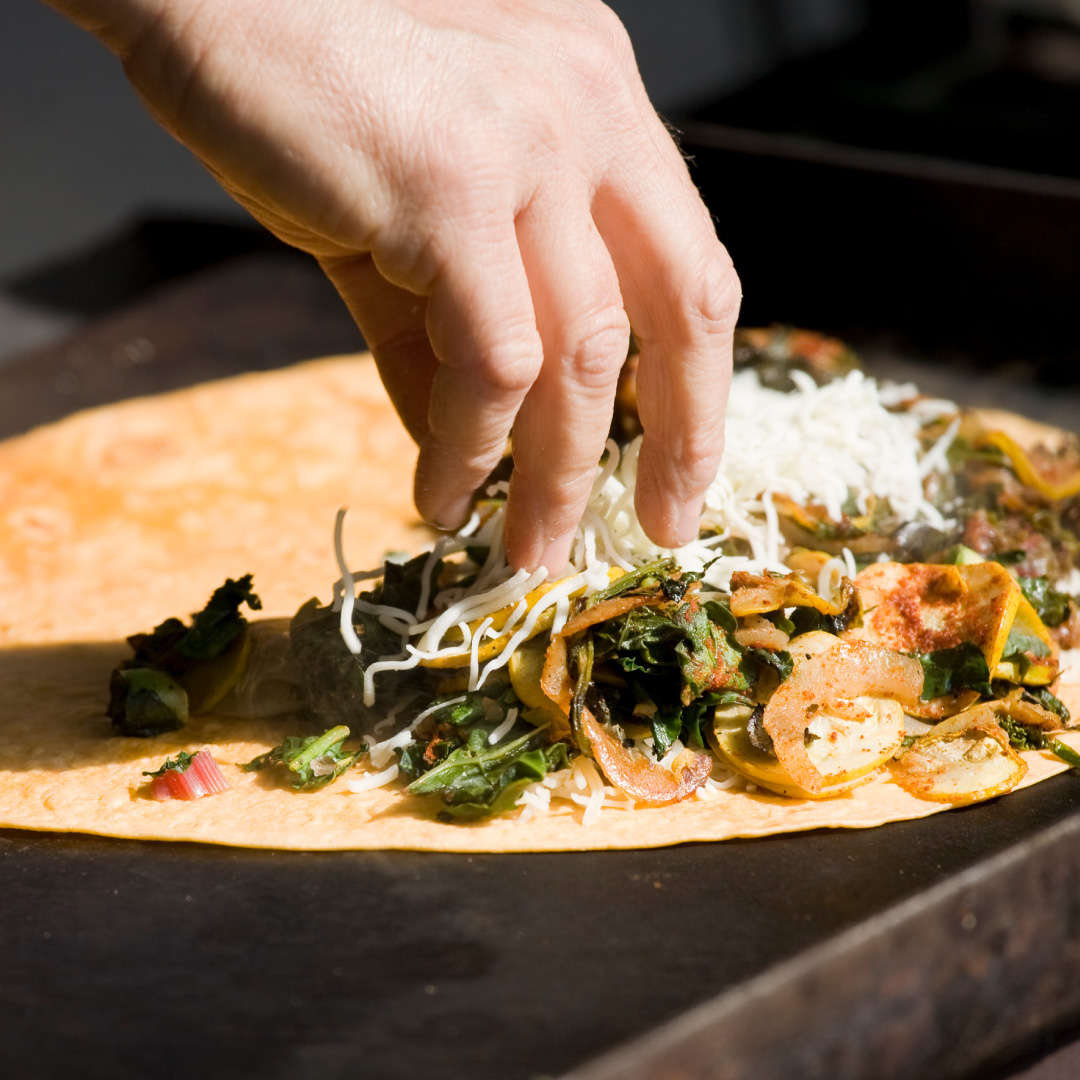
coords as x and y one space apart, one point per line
753 594
638 775
758 633
630 770
848 670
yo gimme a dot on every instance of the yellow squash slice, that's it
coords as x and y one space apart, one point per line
923 607
965 759
846 752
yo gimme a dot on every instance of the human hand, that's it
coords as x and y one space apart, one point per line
489 189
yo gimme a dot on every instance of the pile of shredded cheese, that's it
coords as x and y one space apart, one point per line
818 445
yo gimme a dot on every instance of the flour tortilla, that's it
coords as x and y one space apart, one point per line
116 518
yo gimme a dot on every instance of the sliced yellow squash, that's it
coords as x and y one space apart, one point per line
846 753
964 759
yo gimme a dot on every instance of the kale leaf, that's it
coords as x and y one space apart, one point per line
213 628
144 702
947 671
1050 605
178 764
1023 737
479 779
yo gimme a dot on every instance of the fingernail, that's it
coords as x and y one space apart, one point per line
690 521
451 516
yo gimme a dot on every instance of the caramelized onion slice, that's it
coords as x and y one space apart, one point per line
965 759
848 670
758 633
633 772
639 776
938 708
1030 713
752 594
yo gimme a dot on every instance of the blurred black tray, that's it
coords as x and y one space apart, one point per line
934 948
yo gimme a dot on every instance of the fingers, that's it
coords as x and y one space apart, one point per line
392 321
563 423
482 327
683 296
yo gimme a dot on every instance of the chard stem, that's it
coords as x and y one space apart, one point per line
319 747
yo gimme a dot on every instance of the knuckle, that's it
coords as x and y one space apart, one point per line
600 52
510 363
614 35
600 348
713 306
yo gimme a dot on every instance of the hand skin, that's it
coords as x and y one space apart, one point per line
489 189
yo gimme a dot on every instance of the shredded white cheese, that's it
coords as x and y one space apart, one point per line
816 445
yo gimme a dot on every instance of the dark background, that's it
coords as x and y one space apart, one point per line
902 172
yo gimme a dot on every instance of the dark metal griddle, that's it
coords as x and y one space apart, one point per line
941 947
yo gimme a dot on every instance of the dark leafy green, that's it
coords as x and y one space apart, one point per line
178 764
1040 695
479 779
213 628
403 583
1050 605
755 659
1024 737
667 726
299 756
707 659
146 693
144 702
948 671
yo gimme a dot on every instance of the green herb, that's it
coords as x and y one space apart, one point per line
177 669
667 726
1024 737
178 764
299 755
144 702
657 571
478 779
213 628
1050 605
1040 695
1020 644
781 622
473 710
403 583
754 659
948 671
707 660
